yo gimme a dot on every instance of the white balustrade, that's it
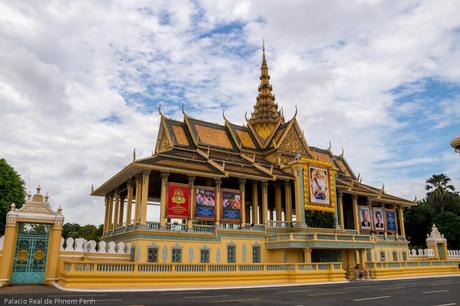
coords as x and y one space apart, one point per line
102 247
81 245
91 246
111 247
128 248
421 253
453 253
121 248
69 244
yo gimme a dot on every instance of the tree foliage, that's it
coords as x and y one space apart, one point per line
441 206
439 190
11 191
88 232
319 219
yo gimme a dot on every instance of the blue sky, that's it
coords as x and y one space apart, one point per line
81 82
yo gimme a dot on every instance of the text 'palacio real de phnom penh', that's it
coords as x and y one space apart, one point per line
242 194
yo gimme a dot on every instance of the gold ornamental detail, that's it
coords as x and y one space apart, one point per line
39 255
23 255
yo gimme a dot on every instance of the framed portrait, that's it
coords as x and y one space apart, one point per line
205 203
390 217
231 205
378 219
365 218
319 185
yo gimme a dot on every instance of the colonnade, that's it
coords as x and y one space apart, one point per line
370 204
129 206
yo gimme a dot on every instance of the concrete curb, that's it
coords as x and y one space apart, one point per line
193 288
245 287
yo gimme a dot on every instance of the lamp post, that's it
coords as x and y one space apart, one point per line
455 143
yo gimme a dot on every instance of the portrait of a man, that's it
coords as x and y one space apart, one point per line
365 217
379 223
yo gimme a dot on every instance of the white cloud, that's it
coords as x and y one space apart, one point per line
68 66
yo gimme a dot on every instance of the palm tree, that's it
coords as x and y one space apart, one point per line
439 189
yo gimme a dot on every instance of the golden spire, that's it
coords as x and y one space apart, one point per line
266 116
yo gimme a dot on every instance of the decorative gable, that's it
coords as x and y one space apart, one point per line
163 142
293 143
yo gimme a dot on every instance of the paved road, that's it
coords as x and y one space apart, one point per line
421 292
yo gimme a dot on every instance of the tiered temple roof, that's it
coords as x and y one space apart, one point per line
260 150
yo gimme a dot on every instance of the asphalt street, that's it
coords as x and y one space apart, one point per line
443 291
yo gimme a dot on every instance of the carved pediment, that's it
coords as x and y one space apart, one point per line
163 142
35 208
293 143
286 159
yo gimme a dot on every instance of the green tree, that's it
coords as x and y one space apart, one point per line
11 191
417 222
439 189
88 232
71 230
448 224
441 206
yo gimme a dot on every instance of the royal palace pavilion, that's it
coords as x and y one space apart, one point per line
231 193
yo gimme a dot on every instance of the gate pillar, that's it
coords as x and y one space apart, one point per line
9 246
52 264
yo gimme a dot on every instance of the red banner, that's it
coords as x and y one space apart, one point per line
178 201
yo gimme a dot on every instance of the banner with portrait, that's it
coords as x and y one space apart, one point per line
178 201
319 185
231 204
205 202
365 217
378 219
390 216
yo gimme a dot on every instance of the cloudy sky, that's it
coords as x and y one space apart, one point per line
80 83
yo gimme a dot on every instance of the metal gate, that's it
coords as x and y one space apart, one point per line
30 257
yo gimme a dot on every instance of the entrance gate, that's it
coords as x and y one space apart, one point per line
29 261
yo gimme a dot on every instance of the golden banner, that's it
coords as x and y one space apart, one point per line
318 185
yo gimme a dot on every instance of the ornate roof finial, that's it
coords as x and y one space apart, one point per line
92 188
263 51
382 190
29 196
159 111
330 146
39 189
46 197
266 116
415 199
223 115
12 206
183 111
343 153
134 155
